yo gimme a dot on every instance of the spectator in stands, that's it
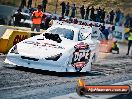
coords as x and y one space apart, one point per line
127 20
29 4
107 20
37 18
117 19
87 13
129 41
74 10
18 16
103 15
92 16
99 12
121 18
82 11
67 9
112 13
63 6
23 3
44 4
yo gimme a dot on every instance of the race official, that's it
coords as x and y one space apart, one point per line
129 41
115 47
37 18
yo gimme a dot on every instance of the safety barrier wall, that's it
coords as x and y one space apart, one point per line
12 37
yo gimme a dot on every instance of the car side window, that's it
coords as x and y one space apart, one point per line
66 33
83 35
80 36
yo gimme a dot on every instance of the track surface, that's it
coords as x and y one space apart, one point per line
24 83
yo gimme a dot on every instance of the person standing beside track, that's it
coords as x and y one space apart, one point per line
129 41
82 11
37 18
87 13
92 16
23 4
18 16
112 14
29 4
44 4
73 11
103 15
63 5
67 9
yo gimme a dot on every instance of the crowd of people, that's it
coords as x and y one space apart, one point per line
98 15
28 4
90 13
116 18
37 15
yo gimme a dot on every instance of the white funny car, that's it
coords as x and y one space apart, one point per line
62 48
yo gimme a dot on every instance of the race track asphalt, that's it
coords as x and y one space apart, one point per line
24 83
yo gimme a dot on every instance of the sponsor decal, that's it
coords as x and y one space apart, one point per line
81 55
19 38
44 44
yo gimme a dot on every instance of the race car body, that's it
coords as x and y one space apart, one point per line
62 48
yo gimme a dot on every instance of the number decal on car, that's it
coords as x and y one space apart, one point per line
81 55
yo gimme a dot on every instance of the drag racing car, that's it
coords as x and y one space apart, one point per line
61 48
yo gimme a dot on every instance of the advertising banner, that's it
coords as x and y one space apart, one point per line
119 33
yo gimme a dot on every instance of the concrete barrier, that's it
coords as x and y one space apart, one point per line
3 28
12 37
